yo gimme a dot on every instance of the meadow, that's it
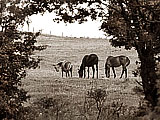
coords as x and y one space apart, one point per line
45 82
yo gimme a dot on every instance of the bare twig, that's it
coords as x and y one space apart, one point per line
139 83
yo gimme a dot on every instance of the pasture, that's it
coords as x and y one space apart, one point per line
46 82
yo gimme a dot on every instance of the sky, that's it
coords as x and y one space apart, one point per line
46 24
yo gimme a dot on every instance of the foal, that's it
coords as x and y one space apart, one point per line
65 67
116 62
88 61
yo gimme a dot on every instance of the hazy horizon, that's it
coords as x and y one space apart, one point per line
47 26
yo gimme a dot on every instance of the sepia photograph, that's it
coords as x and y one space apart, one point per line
79 59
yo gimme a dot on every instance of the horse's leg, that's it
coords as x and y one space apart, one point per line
107 72
126 72
62 73
88 72
123 69
71 71
93 70
114 72
97 70
68 73
84 72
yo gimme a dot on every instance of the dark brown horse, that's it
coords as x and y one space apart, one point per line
65 67
116 62
88 61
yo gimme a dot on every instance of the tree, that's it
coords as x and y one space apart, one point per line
136 24
16 48
131 23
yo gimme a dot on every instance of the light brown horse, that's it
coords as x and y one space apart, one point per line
88 61
65 66
116 62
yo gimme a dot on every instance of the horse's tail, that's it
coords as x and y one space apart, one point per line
128 61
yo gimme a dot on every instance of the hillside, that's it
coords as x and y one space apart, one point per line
46 82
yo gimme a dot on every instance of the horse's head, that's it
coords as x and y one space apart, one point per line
80 72
57 67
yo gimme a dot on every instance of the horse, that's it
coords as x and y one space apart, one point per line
116 62
65 66
88 61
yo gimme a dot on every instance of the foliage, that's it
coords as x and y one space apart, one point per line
99 96
136 24
52 108
136 71
92 107
16 48
96 100
130 23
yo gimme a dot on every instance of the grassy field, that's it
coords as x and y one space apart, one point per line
46 82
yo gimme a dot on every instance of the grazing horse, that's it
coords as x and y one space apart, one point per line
65 67
116 62
88 61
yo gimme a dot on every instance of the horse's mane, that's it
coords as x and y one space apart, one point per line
60 63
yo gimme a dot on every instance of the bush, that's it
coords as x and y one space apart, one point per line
93 107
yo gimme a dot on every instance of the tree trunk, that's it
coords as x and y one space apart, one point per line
148 75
